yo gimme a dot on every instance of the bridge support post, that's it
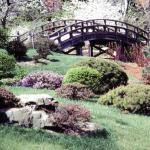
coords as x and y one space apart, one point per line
89 47
90 51
79 50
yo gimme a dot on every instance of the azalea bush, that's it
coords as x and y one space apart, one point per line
68 117
47 80
7 99
74 91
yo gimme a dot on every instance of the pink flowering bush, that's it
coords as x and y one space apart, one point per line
38 80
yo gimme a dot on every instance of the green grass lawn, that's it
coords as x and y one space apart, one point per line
57 63
125 131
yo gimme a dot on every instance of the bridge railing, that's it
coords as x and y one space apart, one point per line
45 29
103 25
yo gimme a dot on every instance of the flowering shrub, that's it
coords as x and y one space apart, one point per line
7 99
74 91
47 80
68 116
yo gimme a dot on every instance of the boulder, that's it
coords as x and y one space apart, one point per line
90 128
35 99
27 117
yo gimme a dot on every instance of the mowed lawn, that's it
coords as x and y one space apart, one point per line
124 131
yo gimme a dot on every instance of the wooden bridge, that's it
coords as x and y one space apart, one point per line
73 35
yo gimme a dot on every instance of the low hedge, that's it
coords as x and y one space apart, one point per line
132 98
75 91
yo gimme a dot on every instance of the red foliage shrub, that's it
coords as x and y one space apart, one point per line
68 116
74 91
137 55
7 99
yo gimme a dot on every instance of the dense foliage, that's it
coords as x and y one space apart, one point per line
16 48
47 80
74 91
83 75
7 65
146 69
3 38
7 99
69 116
110 74
132 98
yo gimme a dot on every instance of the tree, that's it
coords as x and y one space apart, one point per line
146 5
9 9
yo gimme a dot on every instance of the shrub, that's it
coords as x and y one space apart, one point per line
7 65
7 99
20 72
74 91
146 69
68 116
146 74
83 75
17 48
110 73
3 38
132 98
47 80
43 46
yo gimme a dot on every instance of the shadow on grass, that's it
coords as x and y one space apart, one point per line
66 141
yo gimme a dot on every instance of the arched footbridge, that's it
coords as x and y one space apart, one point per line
73 35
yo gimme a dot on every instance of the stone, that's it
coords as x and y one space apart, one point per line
90 128
28 117
35 99
40 119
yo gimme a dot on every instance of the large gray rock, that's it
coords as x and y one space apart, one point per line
35 99
28 117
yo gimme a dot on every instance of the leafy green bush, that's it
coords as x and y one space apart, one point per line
7 99
3 38
7 65
111 75
132 98
20 72
74 91
83 75
16 48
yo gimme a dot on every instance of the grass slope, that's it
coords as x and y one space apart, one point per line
125 131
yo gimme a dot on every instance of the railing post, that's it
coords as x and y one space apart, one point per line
32 39
18 36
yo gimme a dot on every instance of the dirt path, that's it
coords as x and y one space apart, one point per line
133 70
